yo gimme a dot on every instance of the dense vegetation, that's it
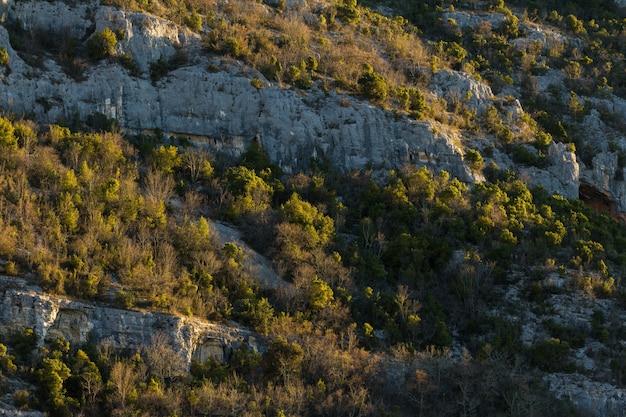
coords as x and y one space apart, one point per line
385 275
94 216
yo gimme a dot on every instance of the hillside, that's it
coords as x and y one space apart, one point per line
303 208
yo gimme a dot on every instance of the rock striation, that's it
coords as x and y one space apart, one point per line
51 317
213 103
217 108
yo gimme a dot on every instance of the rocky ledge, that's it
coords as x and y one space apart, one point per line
79 322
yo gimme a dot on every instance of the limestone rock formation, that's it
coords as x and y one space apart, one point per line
79 322
147 38
561 175
459 86
7 410
221 110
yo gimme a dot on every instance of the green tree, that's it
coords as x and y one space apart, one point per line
24 342
510 26
165 159
6 361
68 213
252 194
256 312
348 12
318 294
102 44
474 159
319 227
575 25
86 377
372 85
194 21
284 360
52 375
8 141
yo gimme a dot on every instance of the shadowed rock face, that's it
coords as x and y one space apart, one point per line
78 322
600 201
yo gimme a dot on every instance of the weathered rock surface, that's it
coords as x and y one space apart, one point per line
571 307
459 86
465 19
258 266
221 109
593 398
562 174
147 38
79 322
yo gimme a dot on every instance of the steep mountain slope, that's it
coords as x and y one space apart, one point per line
207 106
390 172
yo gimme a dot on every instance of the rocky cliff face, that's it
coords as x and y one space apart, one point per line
79 322
213 103
220 109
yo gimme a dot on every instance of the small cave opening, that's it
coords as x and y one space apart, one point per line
599 201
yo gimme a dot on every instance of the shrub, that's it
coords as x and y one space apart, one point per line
4 57
304 82
318 294
299 77
474 160
311 63
510 26
372 84
10 268
24 342
575 25
102 44
194 22
233 47
256 83
21 399
7 134
542 140
348 11
6 361
550 355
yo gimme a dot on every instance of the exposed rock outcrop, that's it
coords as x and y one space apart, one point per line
561 175
465 19
80 322
7 410
459 86
594 398
221 110
228 112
